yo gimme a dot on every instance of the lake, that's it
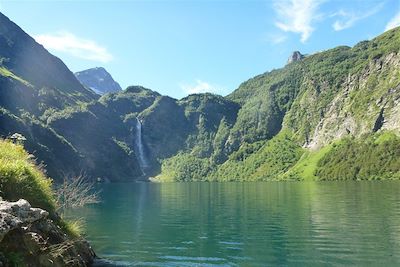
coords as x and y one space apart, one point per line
246 224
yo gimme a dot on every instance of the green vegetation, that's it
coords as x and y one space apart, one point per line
184 167
20 177
315 103
6 73
305 168
376 157
133 100
260 161
75 227
252 162
373 157
282 124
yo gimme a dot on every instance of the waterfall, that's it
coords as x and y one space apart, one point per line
139 146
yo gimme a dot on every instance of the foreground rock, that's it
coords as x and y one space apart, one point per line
28 236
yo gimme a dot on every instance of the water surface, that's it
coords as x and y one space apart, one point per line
247 224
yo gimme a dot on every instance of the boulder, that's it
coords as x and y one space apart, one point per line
30 236
15 214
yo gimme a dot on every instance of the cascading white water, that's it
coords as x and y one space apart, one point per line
139 145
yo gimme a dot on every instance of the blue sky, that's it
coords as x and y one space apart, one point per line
182 47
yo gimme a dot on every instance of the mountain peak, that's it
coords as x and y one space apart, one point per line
99 80
295 56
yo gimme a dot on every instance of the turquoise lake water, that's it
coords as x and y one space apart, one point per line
246 224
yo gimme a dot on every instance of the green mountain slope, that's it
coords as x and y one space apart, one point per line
36 80
34 83
71 130
291 119
282 124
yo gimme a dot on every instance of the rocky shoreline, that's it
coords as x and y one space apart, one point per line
28 237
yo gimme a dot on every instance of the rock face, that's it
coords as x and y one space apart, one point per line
27 235
15 214
295 56
99 80
339 120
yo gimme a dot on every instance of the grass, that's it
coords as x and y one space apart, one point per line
6 73
385 137
372 157
75 228
306 167
20 177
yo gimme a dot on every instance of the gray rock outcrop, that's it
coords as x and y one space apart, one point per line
295 56
15 214
33 237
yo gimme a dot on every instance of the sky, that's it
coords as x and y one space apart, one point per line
183 47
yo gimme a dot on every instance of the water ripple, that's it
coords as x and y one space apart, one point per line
246 224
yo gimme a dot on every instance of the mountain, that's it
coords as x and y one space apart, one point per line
38 80
328 115
65 126
72 130
331 115
34 84
99 80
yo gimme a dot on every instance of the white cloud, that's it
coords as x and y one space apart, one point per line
394 22
199 87
75 46
297 16
348 19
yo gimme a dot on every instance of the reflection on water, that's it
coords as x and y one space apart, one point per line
246 224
